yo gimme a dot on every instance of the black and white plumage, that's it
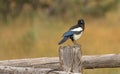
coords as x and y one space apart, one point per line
74 32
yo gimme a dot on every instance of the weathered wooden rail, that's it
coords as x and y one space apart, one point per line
70 61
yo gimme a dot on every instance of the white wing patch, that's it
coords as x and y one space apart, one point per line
77 29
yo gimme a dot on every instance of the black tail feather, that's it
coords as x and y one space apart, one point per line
63 40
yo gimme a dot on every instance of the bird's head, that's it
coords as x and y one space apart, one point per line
81 23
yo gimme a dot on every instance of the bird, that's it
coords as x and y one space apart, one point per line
74 33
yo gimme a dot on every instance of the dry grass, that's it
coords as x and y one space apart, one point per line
39 38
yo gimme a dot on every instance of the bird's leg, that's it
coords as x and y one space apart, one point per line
75 42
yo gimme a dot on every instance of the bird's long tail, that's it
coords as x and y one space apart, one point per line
63 40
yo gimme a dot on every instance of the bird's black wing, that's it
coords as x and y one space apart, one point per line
73 27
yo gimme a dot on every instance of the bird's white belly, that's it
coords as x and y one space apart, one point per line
77 36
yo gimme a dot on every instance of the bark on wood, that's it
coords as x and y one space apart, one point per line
101 61
32 62
70 59
46 64
88 62
27 70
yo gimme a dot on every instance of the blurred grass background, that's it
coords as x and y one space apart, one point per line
33 28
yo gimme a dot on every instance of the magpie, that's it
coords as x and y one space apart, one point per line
74 32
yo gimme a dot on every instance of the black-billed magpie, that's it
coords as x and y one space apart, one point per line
74 32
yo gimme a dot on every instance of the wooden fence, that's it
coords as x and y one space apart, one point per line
70 61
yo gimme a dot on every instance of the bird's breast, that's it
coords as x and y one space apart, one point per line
77 36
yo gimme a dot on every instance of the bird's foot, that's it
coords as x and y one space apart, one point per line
75 43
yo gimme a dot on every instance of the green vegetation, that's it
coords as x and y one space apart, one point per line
13 8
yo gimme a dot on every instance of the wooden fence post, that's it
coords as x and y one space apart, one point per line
70 59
